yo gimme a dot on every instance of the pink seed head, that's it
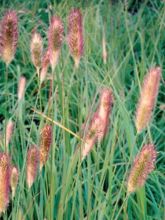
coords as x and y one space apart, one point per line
14 179
4 181
148 98
9 132
144 164
32 165
55 39
95 130
45 143
8 36
21 87
75 35
45 65
105 108
36 47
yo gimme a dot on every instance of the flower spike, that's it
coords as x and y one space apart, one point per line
32 165
75 35
148 98
142 166
8 36
55 38
45 143
9 132
45 65
21 87
14 180
99 124
4 181
36 50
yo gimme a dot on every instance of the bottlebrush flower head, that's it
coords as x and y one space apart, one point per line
21 87
45 143
36 50
75 35
14 179
4 181
45 65
104 109
55 38
95 130
9 132
99 124
32 165
142 166
148 98
8 36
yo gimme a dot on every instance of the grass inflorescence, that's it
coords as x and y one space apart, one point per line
82 110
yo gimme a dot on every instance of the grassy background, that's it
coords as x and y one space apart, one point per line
96 188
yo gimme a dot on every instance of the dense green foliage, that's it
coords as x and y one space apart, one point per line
95 188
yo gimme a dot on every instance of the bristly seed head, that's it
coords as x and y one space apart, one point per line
45 143
21 87
55 39
32 165
9 132
94 131
75 35
14 179
104 109
143 165
36 50
148 98
45 65
99 124
8 36
4 181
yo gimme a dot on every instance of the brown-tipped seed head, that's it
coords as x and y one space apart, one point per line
14 179
9 132
32 165
55 38
21 87
75 35
36 50
8 36
148 98
45 143
142 166
45 65
4 181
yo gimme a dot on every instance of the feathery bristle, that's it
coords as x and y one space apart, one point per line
55 38
142 166
14 180
45 143
75 35
4 181
9 132
148 98
8 36
36 50
21 87
32 165
45 65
